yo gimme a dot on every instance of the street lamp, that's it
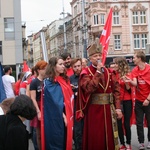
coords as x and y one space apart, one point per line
84 29
65 39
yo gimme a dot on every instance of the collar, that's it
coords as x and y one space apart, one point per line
94 66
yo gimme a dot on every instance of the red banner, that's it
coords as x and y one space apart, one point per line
105 36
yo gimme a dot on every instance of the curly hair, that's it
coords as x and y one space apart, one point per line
123 67
50 70
24 107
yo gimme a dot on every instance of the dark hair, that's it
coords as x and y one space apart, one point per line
6 69
65 55
50 69
20 75
24 107
111 63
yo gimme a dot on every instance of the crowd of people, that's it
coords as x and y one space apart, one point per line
66 103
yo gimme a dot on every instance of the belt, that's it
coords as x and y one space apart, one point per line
102 99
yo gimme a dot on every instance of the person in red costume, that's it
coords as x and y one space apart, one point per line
98 103
141 79
122 69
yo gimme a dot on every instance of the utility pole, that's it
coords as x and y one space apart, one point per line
65 39
84 30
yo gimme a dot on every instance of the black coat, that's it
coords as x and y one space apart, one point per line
13 134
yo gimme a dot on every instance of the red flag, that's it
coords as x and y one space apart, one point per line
42 122
105 36
25 67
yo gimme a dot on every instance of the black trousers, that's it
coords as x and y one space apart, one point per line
78 134
140 111
127 112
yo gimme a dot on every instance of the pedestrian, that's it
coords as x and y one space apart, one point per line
58 107
111 65
140 79
24 82
35 93
84 63
17 84
13 134
122 69
67 62
78 125
8 82
98 93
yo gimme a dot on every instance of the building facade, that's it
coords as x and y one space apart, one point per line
129 31
130 24
11 52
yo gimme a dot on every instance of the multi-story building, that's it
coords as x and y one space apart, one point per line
29 49
11 52
130 24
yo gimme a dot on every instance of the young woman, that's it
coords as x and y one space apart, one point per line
35 93
58 107
122 70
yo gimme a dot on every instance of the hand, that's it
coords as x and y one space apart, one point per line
146 103
119 114
126 79
65 119
39 115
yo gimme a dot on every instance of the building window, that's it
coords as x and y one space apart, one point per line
143 17
115 18
117 41
135 17
102 19
136 41
95 19
94 0
0 47
144 40
139 17
140 41
9 28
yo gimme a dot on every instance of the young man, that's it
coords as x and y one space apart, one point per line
67 62
97 87
141 80
78 125
9 82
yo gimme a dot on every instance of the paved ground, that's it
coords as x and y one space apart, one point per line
134 139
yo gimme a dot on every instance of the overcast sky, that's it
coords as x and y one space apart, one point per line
39 13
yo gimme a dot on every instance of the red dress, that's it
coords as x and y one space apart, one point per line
98 129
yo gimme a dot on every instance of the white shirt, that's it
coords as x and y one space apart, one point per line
7 82
1 111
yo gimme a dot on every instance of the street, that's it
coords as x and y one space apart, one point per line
134 140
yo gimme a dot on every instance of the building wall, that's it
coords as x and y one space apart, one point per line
11 49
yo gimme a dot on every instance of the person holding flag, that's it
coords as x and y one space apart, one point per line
98 103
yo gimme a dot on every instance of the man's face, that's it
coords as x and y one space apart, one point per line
77 67
95 57
136 60
67 62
